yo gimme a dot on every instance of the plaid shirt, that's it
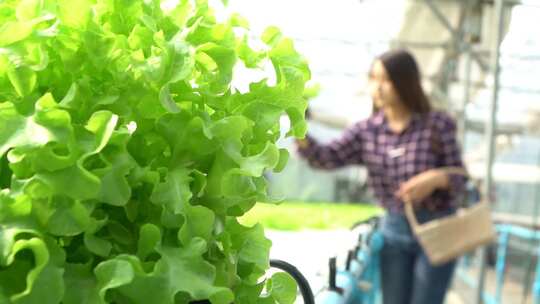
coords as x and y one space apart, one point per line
429 141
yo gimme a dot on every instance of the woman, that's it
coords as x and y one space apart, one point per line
407 149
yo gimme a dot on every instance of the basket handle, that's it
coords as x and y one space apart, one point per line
455 171
409 208
409 212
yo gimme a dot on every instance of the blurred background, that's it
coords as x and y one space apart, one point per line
480 61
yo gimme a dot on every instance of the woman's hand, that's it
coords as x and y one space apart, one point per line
302 143
420 186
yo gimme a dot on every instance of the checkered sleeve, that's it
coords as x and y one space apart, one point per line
344 151
450 151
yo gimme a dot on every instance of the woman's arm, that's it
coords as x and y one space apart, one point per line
451 175
346 150
452 171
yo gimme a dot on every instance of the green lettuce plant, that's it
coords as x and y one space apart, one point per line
127 155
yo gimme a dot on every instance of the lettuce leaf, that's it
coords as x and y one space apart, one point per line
127 153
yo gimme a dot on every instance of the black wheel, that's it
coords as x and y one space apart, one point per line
303 285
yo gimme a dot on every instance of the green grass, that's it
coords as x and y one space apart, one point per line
297 216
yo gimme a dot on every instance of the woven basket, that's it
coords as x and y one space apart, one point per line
446 238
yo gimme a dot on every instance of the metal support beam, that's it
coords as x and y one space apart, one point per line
513 2
420 44
456 35
491 125
532 3
468 33
466 98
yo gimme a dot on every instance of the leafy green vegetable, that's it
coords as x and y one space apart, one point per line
127 155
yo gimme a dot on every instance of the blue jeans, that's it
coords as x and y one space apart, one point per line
406 274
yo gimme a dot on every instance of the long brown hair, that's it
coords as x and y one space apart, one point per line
403 71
